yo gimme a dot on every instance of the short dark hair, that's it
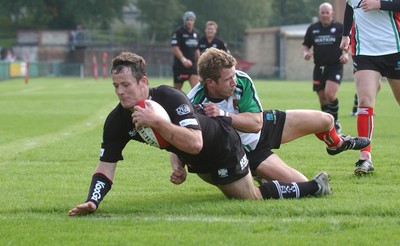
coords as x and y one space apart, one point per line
131 60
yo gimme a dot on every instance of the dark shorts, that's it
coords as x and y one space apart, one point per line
181 74
323 73
271 136
388 65
226 161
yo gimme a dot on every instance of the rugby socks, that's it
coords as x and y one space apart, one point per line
365 124
333 108
280 190
331 138
325 108
355 104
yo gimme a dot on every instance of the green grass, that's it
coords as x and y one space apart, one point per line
50 134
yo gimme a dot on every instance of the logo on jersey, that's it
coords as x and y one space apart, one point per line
223 173
191 42
132 132
188 122
183 109
243 162
398 66
235 103
333 29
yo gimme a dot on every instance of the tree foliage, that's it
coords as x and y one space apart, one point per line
289 12
61 14
232 16
159 17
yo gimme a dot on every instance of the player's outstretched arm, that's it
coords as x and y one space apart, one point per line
178 175
83 209
99 187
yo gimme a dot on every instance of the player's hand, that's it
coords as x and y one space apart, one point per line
178 175
344 58
144 116
344 44
308 55
83 209
211 110
368 5
187 63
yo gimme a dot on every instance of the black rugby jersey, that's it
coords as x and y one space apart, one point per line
215 43
187 42
325 42
221 144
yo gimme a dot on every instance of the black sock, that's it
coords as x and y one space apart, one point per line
355 104
334 108
325 108
279 190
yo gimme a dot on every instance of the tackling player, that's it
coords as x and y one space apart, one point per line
225 91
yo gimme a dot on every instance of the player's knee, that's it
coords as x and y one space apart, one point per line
325 119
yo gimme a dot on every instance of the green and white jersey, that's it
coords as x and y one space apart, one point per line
244 99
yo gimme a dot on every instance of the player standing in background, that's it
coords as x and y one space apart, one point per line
184 43
324 36
375 49
210 39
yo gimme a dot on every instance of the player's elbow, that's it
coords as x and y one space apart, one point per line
258 125
196 146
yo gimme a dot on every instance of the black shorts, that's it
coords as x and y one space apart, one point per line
181 74
323 73
226 160
271 136
387 65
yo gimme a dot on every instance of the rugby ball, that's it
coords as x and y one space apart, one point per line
149 135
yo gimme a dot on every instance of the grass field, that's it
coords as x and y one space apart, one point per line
50 134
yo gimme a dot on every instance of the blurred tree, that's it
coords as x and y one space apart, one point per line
290 12
232 16
61 14
159 17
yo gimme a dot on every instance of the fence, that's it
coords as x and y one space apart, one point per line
9 70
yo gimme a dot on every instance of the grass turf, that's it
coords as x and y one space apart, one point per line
50 133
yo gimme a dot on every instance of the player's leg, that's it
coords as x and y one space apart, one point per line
367 84
245 189
331 89
241 189
274 168
179 78
395 86
355 106
193 80
300 123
